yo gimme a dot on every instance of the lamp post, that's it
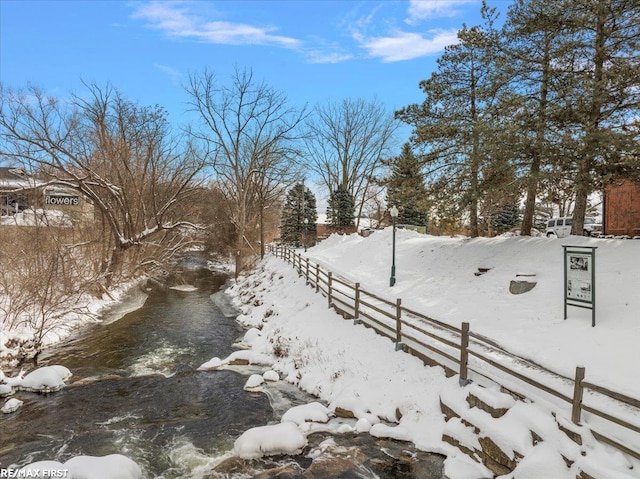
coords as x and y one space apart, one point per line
394 214
304 238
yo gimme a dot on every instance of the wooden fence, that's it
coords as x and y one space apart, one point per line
471 355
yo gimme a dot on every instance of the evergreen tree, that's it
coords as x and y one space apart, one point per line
340 209
405 188
299 205
602 95
534 38
455 123
507 218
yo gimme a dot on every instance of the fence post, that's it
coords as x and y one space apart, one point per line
329 275
464 354
399 344
306 275
356 305
578 390
317 277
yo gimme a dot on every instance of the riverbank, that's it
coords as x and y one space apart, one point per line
391 394
17 345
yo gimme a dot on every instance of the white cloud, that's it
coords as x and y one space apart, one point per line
426 9
175 75
317 56
180 20
407 46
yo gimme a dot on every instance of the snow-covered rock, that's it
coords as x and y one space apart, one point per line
45 379
184 287
113 466
251 335
283 438
254 381
314 412
11 405
5 390
213 363
271 376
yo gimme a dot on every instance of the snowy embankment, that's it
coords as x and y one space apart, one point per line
392 394
435 276
17 344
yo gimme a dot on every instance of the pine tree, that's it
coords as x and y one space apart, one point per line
299 205
534 38
405 188
507 218
454 123
340 209
602 94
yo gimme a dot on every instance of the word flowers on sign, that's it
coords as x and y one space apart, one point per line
62 200
34 473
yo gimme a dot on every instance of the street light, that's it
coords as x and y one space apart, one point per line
394 214
304 238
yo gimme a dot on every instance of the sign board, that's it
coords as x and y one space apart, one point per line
580 279
62 200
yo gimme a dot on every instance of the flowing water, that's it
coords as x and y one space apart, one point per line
136 390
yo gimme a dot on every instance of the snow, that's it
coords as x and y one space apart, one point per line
392 394
435 276
113 466
283 438
11 405
271 376
119 300
184 287
314 412
45 379
291 334
254 381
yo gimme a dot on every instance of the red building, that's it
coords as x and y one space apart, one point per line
621 209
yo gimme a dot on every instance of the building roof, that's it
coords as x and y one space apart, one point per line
15 178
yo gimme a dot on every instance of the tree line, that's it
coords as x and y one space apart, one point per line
544 106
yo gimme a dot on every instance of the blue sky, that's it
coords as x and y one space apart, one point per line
313 51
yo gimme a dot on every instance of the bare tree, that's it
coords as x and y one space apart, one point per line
120 157
251 134
277 172
346 144
43 277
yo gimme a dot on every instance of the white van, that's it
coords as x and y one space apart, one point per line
561 227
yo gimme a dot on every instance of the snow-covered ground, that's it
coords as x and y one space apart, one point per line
435 276
293 336
392 394
108 308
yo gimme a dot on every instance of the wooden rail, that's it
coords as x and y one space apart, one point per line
390 319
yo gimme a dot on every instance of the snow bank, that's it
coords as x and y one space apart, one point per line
392 394
435 276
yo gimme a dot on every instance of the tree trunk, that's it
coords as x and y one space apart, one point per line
533 178
115 262
583 180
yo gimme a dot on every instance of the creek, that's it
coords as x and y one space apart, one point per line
136 391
